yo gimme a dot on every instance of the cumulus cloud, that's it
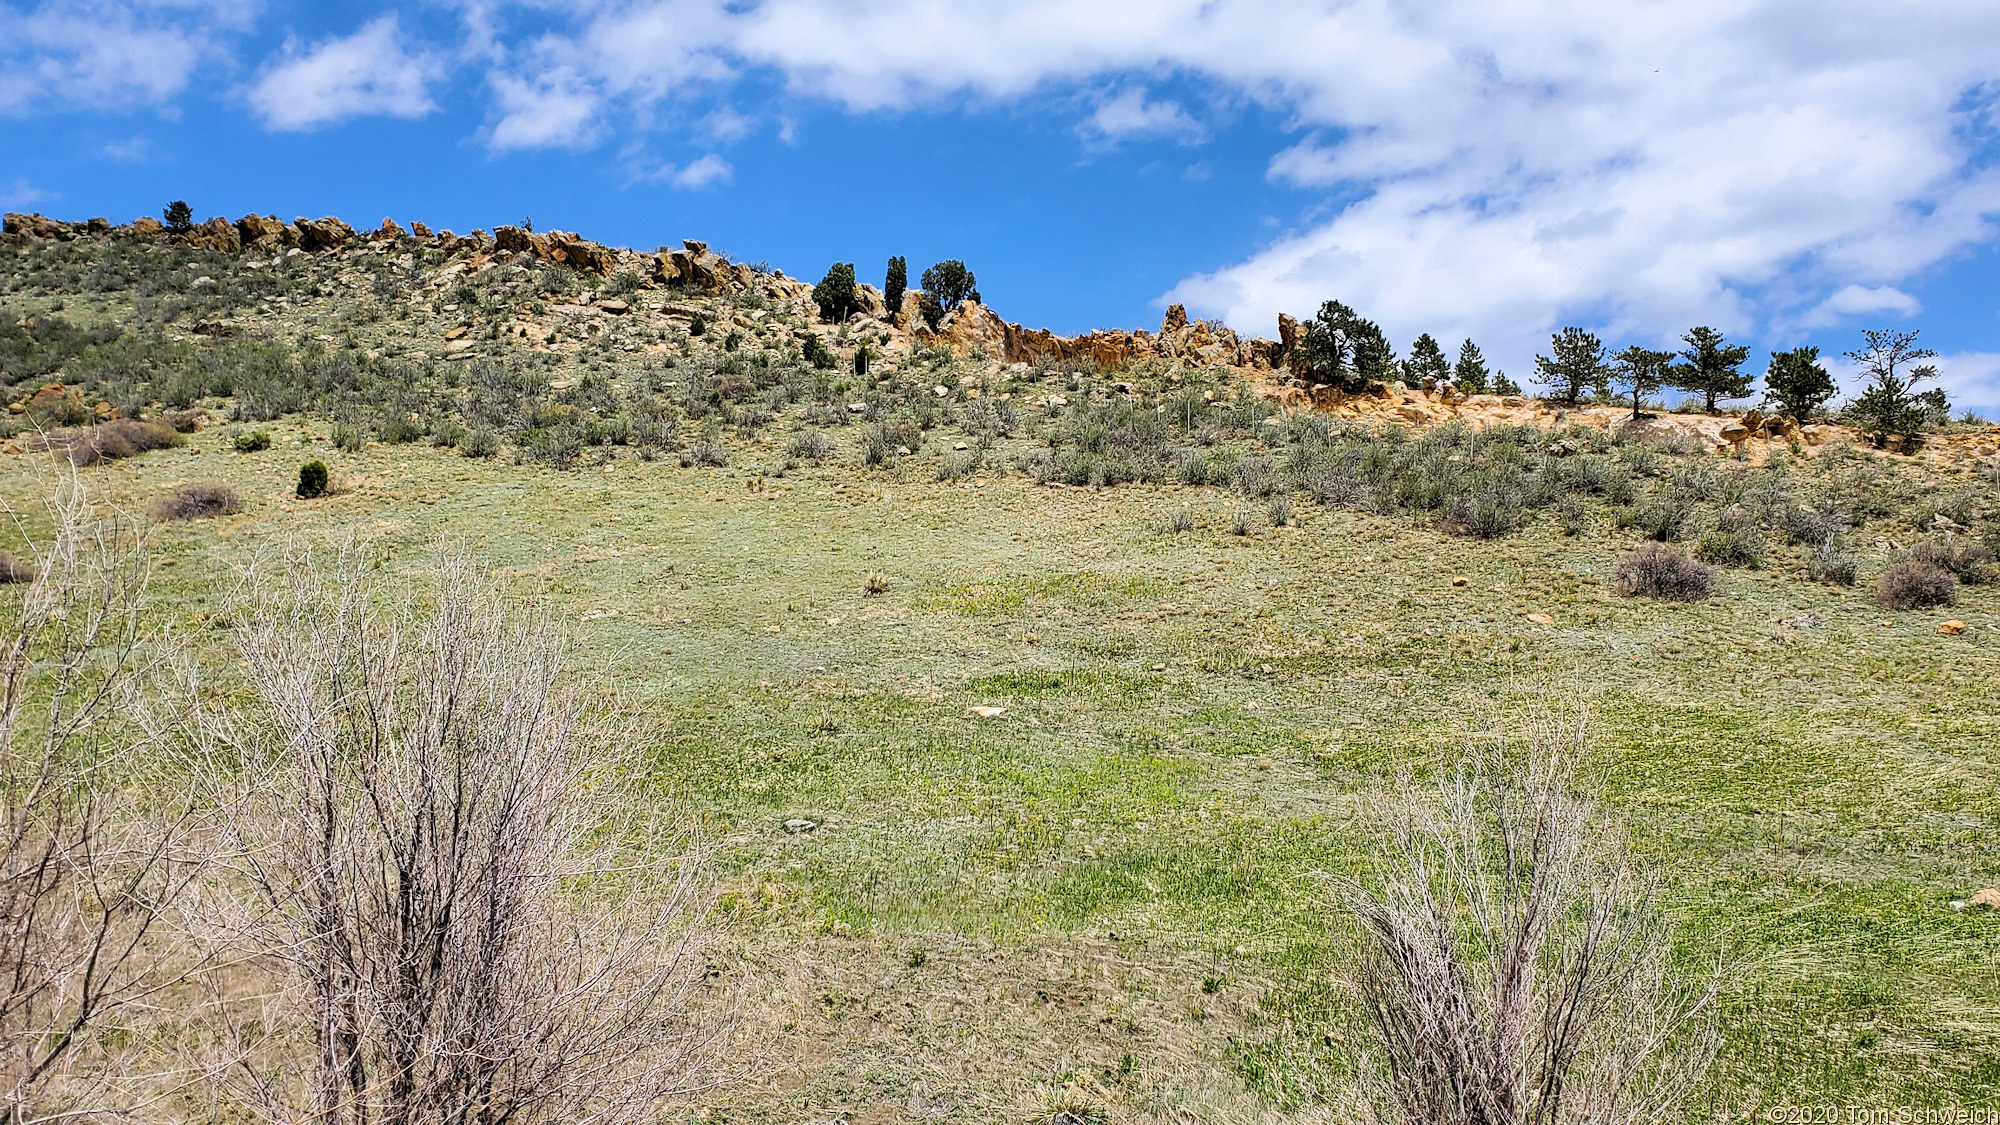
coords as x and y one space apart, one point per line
554 110
1492 170
1854 300
695 175
1130 116
1972 379
102 54
367 73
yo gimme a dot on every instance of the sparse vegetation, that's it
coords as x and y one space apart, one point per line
1915 584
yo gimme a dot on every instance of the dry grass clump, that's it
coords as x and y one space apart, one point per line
1915 584
1656 570
1516 964
198 501
112 441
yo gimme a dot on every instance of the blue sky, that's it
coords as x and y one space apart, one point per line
1789 172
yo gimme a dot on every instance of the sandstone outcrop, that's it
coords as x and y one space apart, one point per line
34 226
216 234
262 232
318 235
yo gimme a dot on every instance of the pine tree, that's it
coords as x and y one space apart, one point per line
1344 349
1581 364
179 217
1641 371
1470 374
893 285
1891 405
1426 362
1797 383
1713 369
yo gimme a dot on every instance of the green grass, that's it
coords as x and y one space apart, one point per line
1188 722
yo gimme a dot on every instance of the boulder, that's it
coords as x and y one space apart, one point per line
1951 628
580 253
34 226
389 231
1175 320
97 225
146 226
1735 433
316 235
216 234
514 239
418 228
260 230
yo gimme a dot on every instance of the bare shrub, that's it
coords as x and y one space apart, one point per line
470 924
811 445
704 454
1969 562
1915 584
84 875
199 501
1515 964
114 440
1655 570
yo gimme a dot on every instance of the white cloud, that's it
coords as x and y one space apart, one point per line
696 174
555 110
1495 169
1129 116
137 148
104 54
21 193
1972 379
365 74
1855 300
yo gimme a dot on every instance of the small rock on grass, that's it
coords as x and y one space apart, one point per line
1951 628
986 712
799 826
1460 580
1541 619
1988 898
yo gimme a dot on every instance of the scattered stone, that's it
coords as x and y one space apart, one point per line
1541 619
986 712
799 826
456 333
1159 667
856 407
1459 580
1988 898
1951 628
615 308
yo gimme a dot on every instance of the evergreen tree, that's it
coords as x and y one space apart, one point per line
1344 349
179 217
893 286
1502 385
951 283
835 293
1891 405
1713 368
1642 372
1581 364
1470 374
1426 362
1797 383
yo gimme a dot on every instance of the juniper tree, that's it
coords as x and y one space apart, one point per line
893 285
835 293
1797 383
951 283
1712 368
1470 373
1344 349
1581 363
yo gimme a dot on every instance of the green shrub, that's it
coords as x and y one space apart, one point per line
1731 547
312 480
255 441
479 441
1828 563
347 437
817 354
810 445
835 293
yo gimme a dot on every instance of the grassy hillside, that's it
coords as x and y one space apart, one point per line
1106 897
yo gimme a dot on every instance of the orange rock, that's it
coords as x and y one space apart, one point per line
1951 628
1541 619
1989 898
